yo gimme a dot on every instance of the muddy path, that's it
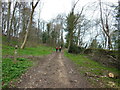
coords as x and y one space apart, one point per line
53 71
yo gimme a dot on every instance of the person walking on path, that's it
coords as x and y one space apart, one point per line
60 49
57 49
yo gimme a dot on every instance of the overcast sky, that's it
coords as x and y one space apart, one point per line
51 8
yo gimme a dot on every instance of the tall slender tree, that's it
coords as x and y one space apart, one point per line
8 20
0 31
11 23
29 24
72 21
105 26
118 18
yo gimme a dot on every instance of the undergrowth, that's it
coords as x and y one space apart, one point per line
87 65
11 70
35 51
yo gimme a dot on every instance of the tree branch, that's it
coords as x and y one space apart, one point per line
35 4
74 6
102 18
79 15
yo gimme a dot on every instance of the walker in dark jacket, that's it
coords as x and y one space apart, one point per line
60 49
57 49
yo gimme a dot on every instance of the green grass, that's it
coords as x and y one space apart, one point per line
7 50
35 51
94 68
5 41
11 70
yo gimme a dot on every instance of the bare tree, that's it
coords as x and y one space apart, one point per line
29 25
0 18
72 21
8 19
118 30
105 26
11 23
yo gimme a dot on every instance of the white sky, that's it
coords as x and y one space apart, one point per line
51 8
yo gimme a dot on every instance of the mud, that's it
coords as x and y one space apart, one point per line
53 71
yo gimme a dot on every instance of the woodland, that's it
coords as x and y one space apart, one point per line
97 36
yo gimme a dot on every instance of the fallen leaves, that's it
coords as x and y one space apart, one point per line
111 84
75 81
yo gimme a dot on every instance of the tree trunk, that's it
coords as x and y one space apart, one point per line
8 21
62 41
70 40
27 30
38 31
0 18
29 25
118 30
12 18
105 27
78 36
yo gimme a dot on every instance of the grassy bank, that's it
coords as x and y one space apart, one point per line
35 51
11 70
97 71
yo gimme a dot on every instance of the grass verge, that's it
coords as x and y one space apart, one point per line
87 65
11 70
35 51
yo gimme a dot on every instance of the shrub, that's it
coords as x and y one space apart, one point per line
21 59
75 49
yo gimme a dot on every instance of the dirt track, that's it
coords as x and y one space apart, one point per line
53 71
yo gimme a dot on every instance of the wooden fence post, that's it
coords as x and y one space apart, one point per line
15 53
